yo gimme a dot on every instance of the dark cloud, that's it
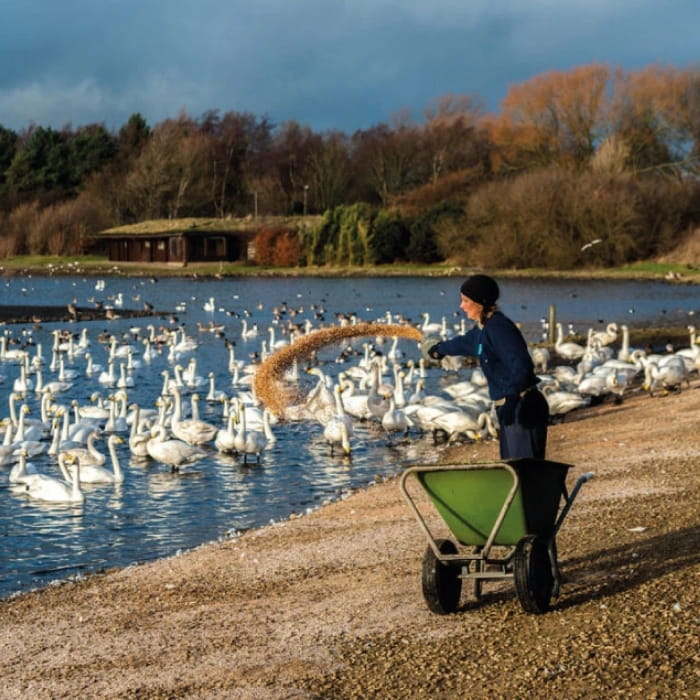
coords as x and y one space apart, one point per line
327 63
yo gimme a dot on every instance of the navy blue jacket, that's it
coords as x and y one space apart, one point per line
502 353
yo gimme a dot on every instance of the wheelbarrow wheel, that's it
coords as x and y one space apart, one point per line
532 569
442 584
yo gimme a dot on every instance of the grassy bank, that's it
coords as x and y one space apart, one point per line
96 265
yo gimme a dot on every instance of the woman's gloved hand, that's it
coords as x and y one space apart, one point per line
428 349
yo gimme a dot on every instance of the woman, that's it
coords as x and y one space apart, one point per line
522 411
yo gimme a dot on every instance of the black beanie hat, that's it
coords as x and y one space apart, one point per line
482 289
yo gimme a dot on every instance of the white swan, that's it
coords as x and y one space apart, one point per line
668 376
456 423
88 455
354 404
48 489
379 394
427 328
173 452
23 471
395 420
138 437
214 395
561 402
606 337
225 437
247 333
567 350
247 441
338 429
95 473
192 430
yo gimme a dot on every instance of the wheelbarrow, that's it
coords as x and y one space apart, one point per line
502 518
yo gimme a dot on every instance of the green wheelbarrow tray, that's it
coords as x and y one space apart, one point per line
517 506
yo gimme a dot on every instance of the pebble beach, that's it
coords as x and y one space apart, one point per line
329 604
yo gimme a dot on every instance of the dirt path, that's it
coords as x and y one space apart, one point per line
329 605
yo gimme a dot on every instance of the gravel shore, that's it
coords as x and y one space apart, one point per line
329 605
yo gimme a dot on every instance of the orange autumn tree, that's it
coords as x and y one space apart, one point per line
277 248
555 118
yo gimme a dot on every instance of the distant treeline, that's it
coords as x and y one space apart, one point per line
591 166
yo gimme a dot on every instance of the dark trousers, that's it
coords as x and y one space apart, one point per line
527 435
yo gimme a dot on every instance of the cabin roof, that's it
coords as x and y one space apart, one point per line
192 226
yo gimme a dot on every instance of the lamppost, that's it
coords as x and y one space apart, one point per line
306 191
255 204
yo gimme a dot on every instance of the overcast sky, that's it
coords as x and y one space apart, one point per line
345 64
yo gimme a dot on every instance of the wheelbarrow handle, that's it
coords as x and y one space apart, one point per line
569 499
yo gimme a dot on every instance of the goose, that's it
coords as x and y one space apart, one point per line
96 473
567 350
171 451
48 489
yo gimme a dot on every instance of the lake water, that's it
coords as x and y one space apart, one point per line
156 513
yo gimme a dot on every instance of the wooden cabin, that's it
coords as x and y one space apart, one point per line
178 242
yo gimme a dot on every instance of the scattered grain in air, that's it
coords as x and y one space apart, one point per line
268 386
